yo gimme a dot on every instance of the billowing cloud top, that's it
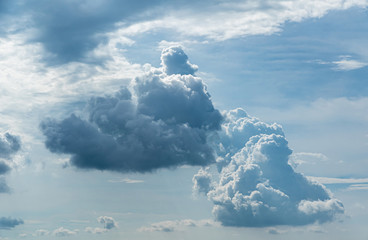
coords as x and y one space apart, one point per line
163 121
258 187
175 61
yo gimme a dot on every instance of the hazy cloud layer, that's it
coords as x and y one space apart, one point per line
258 187
8 222
171 226
163 121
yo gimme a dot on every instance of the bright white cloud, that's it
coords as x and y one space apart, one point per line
347 64
234 19
257 187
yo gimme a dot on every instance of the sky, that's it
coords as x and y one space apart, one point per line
183 119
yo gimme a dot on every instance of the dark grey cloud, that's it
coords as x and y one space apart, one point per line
69 29
163 122
9 145
8 222
257 187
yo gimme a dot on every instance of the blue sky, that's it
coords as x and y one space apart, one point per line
187 120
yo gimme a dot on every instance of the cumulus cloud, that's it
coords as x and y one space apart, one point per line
9 223
175 61
258 187
202 182
108 222
163 121
171 226
63 232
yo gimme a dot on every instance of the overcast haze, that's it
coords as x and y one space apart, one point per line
183 119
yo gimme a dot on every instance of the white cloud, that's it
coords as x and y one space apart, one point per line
125 180
95 230
234 19
63 232
257 187
41 232
344 64
358 187
347 64
327 180
108 222
176 225
306 158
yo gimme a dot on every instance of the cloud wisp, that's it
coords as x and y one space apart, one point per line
9 146
176 225
163 121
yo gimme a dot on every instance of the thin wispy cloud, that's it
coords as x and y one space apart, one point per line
348 64
125 180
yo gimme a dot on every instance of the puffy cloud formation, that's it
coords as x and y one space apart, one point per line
63 232
258 187
108 222
163 121
238 129
8 222
175 61
202 182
